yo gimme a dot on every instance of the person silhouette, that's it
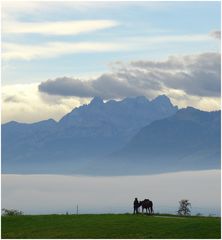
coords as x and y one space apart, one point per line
135 206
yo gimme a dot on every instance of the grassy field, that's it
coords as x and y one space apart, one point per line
110 226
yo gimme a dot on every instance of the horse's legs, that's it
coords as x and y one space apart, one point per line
151 210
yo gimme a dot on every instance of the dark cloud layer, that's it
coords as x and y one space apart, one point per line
196 75
67 87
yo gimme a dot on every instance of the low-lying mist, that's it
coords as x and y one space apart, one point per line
43 194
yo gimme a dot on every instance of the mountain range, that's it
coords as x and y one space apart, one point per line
131 136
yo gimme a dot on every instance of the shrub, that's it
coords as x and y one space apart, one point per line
11 212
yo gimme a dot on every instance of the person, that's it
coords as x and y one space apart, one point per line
135 206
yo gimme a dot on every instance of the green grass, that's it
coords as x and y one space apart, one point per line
109 226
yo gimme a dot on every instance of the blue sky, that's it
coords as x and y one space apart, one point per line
134 20
45 40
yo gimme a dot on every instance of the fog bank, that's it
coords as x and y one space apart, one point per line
35 194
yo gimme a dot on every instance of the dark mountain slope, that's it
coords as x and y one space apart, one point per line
190 139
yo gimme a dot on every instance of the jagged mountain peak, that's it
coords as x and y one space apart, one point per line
96 101
161 98
129 113
162 102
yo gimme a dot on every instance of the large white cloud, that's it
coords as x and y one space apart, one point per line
57 28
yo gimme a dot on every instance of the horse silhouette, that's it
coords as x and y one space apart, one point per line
148 205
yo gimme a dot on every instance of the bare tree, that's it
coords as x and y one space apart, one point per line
184 208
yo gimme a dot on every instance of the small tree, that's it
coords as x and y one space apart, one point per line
11 212
184 208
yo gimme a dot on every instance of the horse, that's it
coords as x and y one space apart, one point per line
148 205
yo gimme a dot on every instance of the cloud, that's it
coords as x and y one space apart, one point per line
23 103
216 34
57 27
190 80
195 75
18 51
45 9
67 87
107 86
11 51
170 39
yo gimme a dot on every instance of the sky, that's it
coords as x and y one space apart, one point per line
57 55
47 194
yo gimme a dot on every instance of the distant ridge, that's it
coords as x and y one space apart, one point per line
100 137
188 140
